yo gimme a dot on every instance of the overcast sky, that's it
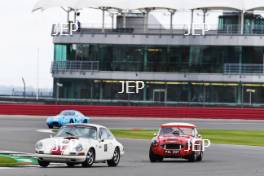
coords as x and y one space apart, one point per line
24 33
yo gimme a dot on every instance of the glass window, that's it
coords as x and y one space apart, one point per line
253 93
176 131
60 52
222 93
68 113
77 131
104 134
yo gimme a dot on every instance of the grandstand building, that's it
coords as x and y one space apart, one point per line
179 64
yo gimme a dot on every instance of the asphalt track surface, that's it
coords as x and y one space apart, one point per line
20 134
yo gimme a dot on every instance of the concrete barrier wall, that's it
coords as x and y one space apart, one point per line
136 111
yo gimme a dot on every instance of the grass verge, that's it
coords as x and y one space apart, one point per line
7 160
238 137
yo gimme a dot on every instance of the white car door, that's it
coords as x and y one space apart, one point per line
105 146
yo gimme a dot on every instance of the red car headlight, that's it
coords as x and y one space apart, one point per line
155 143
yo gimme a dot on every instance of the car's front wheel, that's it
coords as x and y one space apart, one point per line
193 157
43 163
153 157
115 160
200 157
90 157
50 126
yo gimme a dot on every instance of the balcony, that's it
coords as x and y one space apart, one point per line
179 29
228 35
257 69
251 73
135 66
73 66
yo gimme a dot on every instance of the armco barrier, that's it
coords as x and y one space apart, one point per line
136 111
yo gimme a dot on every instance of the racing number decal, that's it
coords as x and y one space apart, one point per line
105 147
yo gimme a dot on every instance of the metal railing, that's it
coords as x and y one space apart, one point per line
243 68
123 65
229 68
75 66
176 29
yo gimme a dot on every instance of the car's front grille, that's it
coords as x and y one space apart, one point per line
173 146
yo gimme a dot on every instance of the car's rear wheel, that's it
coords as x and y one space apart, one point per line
90 157
70 164
115 160
43 163
153 157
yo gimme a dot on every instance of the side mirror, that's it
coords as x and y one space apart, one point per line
155 134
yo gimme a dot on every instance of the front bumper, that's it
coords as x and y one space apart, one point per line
171 153
60 158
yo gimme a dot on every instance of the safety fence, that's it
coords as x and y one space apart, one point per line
136 111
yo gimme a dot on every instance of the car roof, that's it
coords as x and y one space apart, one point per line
88 124
178 124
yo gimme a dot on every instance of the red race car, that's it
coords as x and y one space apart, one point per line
176 140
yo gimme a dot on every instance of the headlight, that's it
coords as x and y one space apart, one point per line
39 145
155 142
79 148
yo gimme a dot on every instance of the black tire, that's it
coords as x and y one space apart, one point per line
50 126
154 158
89 158
200 157
43 163
70 164
160 159
192 157
71 121
115 160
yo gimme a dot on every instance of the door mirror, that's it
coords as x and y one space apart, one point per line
155 134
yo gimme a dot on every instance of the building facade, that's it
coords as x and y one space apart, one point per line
223 66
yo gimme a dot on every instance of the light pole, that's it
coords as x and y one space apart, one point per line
250 91
37 91
24 87
58 90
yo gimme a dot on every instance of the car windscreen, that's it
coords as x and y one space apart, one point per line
78 131
68 113
177 131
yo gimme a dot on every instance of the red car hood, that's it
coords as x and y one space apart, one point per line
170 138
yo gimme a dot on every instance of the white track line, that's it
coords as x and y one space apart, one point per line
44 131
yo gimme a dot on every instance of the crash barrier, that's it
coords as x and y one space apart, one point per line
136 111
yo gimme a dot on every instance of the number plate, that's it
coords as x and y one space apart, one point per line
174 152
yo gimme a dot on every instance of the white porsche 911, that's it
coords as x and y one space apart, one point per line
80 144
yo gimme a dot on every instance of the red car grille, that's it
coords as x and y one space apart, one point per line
173 146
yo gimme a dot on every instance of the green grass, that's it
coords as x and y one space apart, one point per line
9 160
238 137
6 161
